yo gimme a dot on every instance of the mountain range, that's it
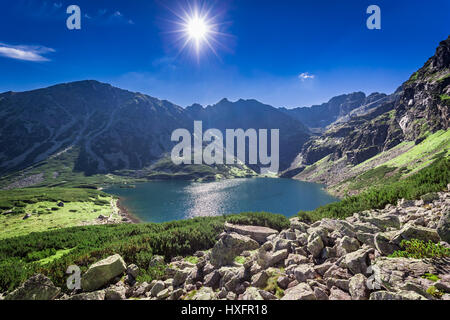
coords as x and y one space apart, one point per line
107 130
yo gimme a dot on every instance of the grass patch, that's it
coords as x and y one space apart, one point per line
191 259
80 206
240 259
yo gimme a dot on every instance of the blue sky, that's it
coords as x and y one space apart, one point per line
262 49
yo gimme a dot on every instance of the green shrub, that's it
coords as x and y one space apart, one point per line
265 219
433 178
418 249
435 292
136 243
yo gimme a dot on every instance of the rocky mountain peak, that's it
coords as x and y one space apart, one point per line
441 59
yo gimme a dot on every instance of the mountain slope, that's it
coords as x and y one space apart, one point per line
114 128
95 128
415 118
251 114
339 108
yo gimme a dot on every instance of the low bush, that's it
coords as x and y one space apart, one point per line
418 249
136 243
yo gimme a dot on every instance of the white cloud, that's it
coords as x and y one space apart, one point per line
25 52
305 76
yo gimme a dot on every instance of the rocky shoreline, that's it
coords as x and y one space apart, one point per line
126 214
331 259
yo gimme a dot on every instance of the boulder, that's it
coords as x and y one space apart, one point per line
358 288
443 227
180 277
95 295
269 259
133 270
400 295
357 261
229 246
320 294
259 280
205 293
267 295
302 291
252 293
383 221
346 245
304 272
38 287
338 294
410 232
383 243
315 245
156 260
283 282
157 288
102 272
257 233
393 272
211 279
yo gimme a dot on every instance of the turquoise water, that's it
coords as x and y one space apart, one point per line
161 201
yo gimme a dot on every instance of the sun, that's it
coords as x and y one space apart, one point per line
197 28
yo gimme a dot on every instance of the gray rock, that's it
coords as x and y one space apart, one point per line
133 270
212 279
357 262
338 294
358 288
230 246
95 295
205 293
180 277
259 280
302 291
383 221
164 294
267 295
177 294
252 293
38 287
304 272
401 295
410 232
283 281
346 245
443 227
269 259
157 288
257 233
156 260
320 294
102 272
315 245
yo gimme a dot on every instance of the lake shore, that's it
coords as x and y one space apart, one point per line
125 213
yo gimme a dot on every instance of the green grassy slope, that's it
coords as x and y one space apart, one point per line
80 206
433 178
52 252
